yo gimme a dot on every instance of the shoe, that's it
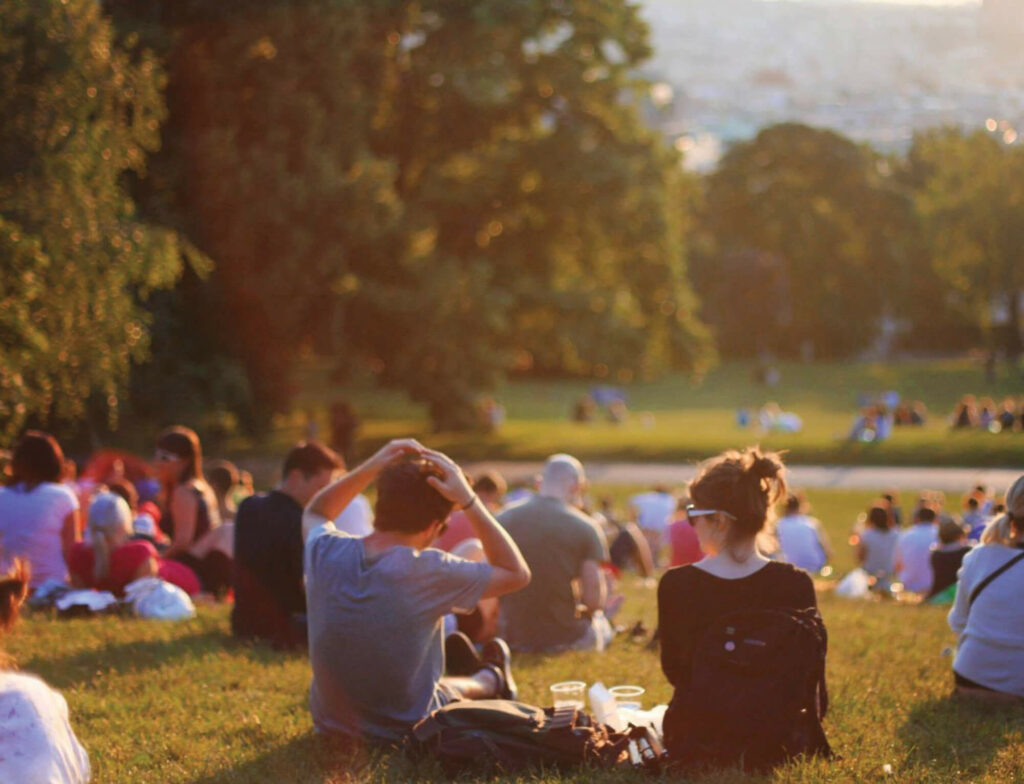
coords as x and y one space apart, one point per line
496 654
460 656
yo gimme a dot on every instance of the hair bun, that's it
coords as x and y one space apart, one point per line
764 465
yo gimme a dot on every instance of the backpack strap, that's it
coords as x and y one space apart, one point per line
984 583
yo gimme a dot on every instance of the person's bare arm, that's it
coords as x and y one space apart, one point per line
592 586
511 572
333 499
644 561
69 533
184 508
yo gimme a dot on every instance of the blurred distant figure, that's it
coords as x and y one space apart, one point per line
965 414
584 409
5 467
803 541
627 546
344 429
876 545
191 516
492 415
1006 416
913 551
223 478
947 556
110 560
974 518
653 511
39 515
270 600
683 539
145 516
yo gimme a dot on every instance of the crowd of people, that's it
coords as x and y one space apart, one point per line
972 413
420 599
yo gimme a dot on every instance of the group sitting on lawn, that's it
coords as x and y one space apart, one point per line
376 601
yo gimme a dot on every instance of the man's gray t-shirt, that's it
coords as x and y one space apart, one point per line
375 632
555 539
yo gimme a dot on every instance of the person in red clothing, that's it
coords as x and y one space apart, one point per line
683 539
110 560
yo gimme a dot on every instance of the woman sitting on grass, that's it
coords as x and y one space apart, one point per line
732 500
38 514
987 614
109 561
192 517
876 545
37 744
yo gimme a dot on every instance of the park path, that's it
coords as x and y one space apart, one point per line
876 478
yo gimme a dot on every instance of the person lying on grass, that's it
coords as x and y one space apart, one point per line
375 605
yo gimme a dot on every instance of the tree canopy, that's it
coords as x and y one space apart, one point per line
77 114
440 190
806 247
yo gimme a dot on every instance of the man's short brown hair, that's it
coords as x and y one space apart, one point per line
311 457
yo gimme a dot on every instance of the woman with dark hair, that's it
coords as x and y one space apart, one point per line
39 516
876 544
191 516
37 743
732 504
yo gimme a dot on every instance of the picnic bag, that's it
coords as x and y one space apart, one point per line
516 736
757 692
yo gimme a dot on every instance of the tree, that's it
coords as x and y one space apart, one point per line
77 114
971 197
806 223
440 190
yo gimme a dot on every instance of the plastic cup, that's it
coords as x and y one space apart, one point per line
569 694
628 697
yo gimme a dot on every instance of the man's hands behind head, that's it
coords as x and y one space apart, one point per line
447 478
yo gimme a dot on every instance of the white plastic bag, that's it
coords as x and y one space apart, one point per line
152 597
855 585
604 707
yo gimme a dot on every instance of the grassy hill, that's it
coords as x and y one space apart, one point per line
177 703
680 418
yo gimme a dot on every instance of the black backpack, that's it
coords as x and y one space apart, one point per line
757 692
516 736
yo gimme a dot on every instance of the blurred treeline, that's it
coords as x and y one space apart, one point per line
195 195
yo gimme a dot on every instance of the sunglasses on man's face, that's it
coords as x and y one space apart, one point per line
693 512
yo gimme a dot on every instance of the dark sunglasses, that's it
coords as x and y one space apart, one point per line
693 512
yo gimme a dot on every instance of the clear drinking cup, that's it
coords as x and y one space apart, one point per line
569 694
628 698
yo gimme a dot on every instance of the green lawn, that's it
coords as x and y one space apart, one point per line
166 703
678 418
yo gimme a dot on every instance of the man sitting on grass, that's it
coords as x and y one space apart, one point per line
270 601
375 605
564 608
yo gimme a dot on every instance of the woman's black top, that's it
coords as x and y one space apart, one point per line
945 565
690 599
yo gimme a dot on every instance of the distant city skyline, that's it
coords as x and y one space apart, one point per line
877 71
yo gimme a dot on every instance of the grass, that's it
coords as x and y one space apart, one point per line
177 703
678 418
